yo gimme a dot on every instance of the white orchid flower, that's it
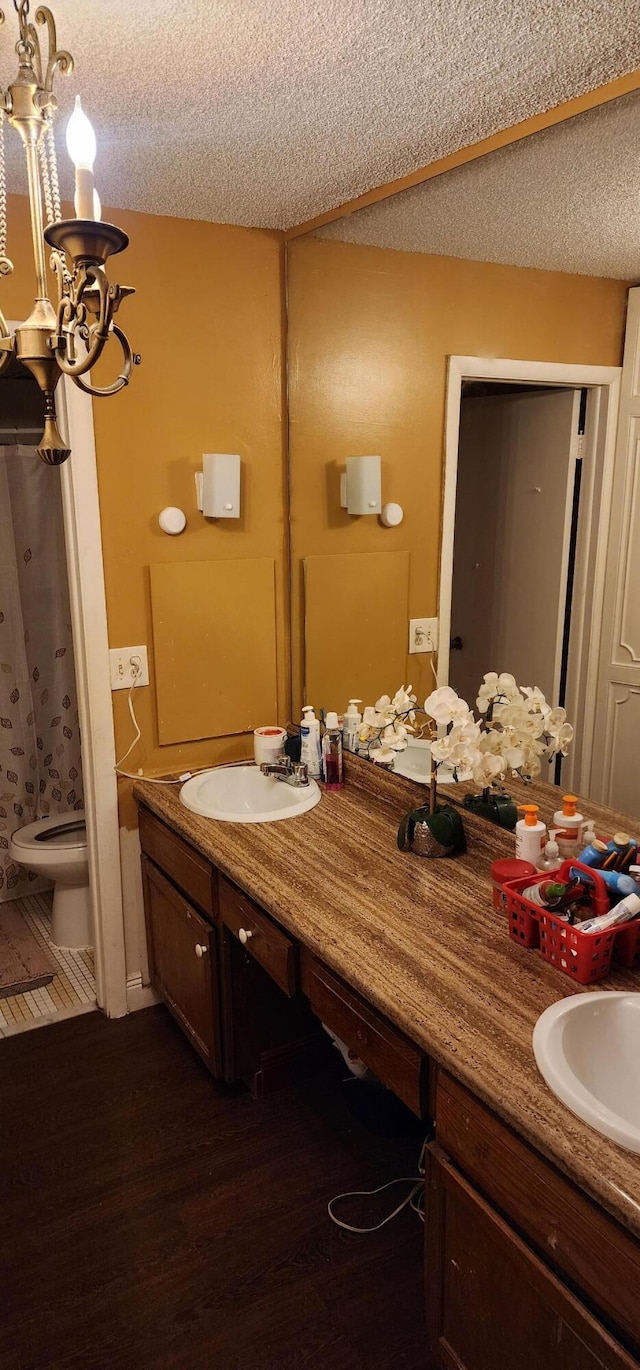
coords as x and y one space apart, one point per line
403 701
487 769
536 700
383 755
464 759
441 703
560 741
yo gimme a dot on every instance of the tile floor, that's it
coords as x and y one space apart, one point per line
73 988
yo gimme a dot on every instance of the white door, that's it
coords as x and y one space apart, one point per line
514 500
616 755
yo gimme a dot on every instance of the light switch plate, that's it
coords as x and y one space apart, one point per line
122 664
423 635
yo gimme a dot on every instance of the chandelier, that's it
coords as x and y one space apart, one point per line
70 339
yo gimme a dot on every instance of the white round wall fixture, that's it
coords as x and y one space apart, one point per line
392 515
172 520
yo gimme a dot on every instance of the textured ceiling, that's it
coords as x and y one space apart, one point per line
567 199
266 112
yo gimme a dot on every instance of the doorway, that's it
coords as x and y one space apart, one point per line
83 549
528 469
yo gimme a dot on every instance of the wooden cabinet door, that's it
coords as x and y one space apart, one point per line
183 962
491 1304
271 1037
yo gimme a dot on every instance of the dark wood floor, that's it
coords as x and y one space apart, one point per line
149 1217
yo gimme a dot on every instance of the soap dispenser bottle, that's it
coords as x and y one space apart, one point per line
310 751
351 729
568 825
530 834
332 753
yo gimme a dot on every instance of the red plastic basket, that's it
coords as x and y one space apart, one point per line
584 956
626 949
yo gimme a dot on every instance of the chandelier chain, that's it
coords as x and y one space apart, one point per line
5 265
43 152
53 166
51 190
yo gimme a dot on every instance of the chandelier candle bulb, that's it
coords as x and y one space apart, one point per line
82 148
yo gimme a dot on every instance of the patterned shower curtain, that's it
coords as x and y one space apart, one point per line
40 766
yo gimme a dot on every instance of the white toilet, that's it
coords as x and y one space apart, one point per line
56 848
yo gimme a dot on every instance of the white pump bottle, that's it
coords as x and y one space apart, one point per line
310 750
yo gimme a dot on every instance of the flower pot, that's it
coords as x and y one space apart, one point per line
432 834
497 808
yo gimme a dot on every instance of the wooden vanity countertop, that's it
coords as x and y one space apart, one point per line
421 941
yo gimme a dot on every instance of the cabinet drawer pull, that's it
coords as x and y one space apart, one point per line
244 934
200 950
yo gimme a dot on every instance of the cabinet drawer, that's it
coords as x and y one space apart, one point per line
276 952
572 1232
392 1057
180 862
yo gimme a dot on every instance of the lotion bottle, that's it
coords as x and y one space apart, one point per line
351 728
310 744
332 753
550 858
568 825
530 834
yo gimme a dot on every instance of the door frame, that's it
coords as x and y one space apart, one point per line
604 382
83 537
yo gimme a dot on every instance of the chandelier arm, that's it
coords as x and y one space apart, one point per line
98 342
72 315
58 59
5 356
131 359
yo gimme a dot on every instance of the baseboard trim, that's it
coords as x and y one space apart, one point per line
139 995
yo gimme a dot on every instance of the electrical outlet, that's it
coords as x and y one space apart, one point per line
423 635
127 664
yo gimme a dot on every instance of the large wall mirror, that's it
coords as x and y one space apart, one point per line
469 332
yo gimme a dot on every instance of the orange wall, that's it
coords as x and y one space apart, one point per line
370 331
208 320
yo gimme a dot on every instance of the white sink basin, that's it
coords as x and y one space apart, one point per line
242 794
415 764
588 1050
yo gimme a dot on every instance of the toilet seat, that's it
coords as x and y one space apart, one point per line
64 832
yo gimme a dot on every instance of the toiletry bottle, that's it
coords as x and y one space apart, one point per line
593 854
530 833
619 884
621 913
589 833
617 847
310 735
550 858
332 754
507 868
547 894
568 824
351 728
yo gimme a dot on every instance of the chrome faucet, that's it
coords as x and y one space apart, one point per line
291 772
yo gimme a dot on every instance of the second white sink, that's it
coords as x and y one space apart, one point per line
242 794
588 1050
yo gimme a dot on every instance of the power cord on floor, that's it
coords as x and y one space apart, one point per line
414 1199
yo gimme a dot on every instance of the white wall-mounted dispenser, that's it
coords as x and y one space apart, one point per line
361 491
361 485
218 485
